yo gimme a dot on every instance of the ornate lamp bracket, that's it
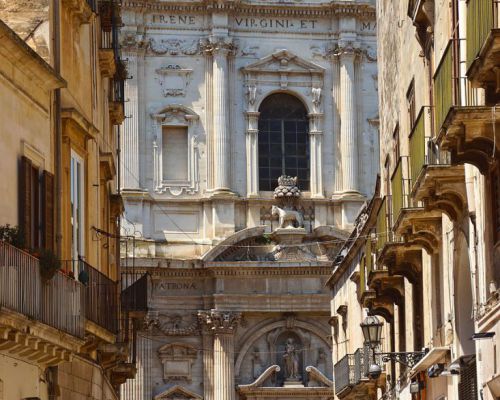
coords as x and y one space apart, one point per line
408 359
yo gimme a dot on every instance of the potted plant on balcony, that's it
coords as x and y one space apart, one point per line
12 235
49 263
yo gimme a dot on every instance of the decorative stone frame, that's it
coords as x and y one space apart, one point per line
284 72
175 115
177 360
166 73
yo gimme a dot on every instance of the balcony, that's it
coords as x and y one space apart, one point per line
42 321
411 222
435 183
483 43
101 298
351 376
464 128
117 99
109 44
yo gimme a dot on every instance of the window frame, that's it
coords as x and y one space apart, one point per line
266 184
77 247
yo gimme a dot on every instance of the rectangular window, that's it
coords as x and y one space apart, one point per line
410 99
175 153
77 206
36 205
396 143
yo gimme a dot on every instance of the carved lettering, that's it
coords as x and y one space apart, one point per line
368 26
174 19
177 286
275 23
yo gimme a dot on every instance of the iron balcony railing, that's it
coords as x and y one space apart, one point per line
424 150
450 88
117 91
482 17
58 303
101 294
400 187
109 25
344 375
352 369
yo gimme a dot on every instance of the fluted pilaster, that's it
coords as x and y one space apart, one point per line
220 48
223 326
252 153
348 116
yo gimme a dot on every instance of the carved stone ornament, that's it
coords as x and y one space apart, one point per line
172 325
219 45
175 115
287 193
220 321
173 47
174 80
177 360
178 393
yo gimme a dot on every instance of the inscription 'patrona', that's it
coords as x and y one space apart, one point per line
176 285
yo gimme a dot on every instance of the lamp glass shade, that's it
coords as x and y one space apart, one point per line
372 330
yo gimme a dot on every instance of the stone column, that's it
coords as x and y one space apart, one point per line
316 145
252 153
220 48
208 358
348 117
223 325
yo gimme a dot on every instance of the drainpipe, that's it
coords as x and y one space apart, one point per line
57 127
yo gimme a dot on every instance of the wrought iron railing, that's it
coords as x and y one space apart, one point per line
450 88
109 25
400 185
344 375
482 17
58 302
117 91
101 294
359 365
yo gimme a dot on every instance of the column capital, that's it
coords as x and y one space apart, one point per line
219 322
222 45
348 49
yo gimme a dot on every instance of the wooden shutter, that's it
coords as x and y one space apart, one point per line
25 200
48 210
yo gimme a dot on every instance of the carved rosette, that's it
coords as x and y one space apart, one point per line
219 322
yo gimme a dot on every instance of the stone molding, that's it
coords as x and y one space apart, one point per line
220 322
170 72
177 360
176 115
219 45
362 12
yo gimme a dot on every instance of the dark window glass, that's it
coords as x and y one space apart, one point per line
283 141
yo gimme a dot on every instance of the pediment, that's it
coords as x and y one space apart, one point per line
284 61
177 393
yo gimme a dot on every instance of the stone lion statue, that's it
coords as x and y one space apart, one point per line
287 218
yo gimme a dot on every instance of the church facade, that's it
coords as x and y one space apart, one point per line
250 144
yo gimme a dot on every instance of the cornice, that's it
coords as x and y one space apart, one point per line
362 11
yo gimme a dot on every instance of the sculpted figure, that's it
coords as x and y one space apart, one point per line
288 217
291 360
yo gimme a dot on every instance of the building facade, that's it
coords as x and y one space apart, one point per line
425 258
61 103
224 99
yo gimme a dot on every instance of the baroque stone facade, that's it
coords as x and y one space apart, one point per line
224 98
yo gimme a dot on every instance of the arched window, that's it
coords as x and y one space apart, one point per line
283 141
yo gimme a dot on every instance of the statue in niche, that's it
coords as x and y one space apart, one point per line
291 360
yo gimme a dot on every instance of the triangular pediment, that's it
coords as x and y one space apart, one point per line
177 393
284 61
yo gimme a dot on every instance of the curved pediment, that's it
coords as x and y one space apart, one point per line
284 61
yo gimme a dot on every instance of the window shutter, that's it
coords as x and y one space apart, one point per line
48 210
25 203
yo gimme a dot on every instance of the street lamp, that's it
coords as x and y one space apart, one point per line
372 332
